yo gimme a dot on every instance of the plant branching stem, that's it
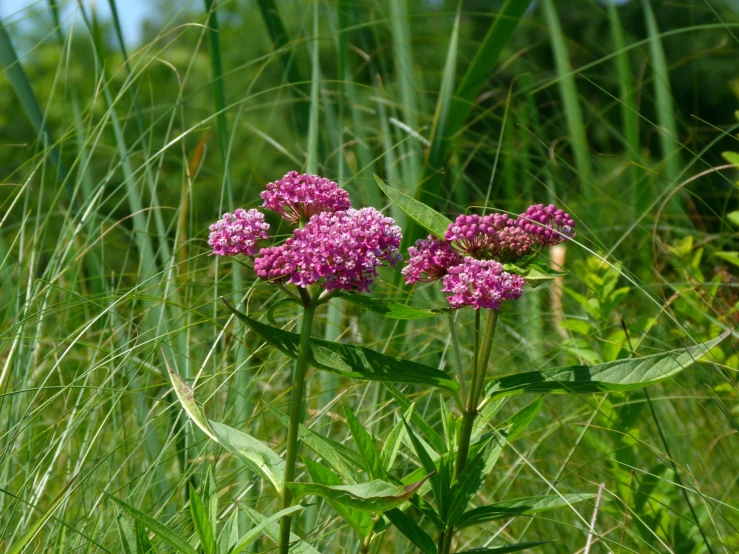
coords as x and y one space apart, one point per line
483 347
296 409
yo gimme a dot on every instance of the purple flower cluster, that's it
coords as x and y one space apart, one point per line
340 250
238 233
547 225
299 197
480 284
468 259
336 247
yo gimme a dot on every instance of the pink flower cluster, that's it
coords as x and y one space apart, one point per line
480 284
238 233
336 247
340 250
468 259
547 225
299 197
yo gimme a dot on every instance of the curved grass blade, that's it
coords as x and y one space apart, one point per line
619 375
357 362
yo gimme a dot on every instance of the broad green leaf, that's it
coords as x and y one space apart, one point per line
428 218
142 541
412 531
351 361
731 157
269 525
374 496
201 521
535 274
518 507
359 520
731 257
163 532
734 216
504 549
365 444
388 308
619 375
255 454
126 536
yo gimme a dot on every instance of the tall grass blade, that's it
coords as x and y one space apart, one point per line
570 100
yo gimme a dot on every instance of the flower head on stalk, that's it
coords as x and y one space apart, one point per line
547 225
429 260
298 197
337 251
238 233
480 284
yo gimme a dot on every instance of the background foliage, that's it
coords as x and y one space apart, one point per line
620 114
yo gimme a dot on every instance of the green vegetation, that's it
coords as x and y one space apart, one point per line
141 413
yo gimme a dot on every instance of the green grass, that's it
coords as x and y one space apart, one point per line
117 156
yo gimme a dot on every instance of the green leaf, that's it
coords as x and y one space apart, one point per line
519 507
426 217
619 375
428 466
519 421
412 531
360 521
351 361
366 445
429 433
143 544
731 257
256 455
731 157
126 536
734 216
163 532
535 274
374 496
229 536
269 524
392 445
210 498
388 308
503 549
201 521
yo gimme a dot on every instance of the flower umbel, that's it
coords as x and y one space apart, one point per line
299 197
340 250
547 225
481 284
429 260
238 233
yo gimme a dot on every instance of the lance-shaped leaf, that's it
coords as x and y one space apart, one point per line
535 274
374 496
263 523
271 528
255 454
412 531
518 507
388 308
518 547
619 375
350 361
428 218
159 529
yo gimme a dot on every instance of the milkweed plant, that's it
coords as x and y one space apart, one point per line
333 250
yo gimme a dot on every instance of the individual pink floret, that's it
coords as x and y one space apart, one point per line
429 260
238 233
340 250
298 197
481 284
547 225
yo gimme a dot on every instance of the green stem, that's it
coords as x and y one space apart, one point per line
482 355
296 409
